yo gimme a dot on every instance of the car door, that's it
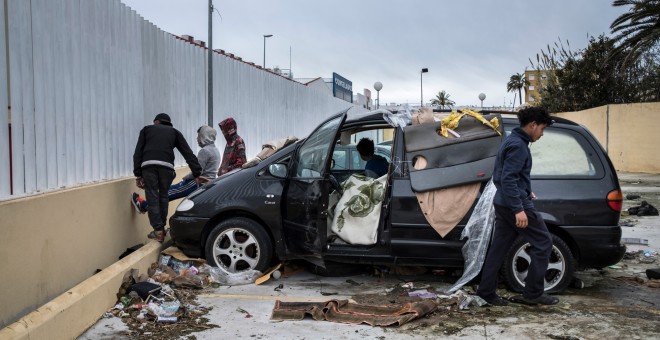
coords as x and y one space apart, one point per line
306 196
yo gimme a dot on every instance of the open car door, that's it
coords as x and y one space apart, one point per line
306 196
440 162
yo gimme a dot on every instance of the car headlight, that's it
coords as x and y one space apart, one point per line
185 205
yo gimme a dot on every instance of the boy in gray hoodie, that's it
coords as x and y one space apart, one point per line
209 159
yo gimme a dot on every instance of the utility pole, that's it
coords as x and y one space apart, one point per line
210 58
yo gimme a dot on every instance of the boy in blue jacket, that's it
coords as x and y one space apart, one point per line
515 214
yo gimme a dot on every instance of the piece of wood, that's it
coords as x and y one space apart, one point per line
266 276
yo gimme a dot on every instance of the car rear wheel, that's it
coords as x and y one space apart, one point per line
239 244
560 266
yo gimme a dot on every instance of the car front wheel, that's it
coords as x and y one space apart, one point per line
560 266
239 244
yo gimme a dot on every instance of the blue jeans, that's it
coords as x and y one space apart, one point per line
176 191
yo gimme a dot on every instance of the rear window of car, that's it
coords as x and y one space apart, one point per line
563 153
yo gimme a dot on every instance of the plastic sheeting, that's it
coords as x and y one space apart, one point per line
400 119
477 231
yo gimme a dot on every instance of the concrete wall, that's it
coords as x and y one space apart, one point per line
54 241
629 133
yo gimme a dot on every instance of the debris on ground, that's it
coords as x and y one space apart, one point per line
162 304
353 313
653 283
635 240
644 209
632 196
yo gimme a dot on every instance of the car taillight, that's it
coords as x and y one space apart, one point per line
615 200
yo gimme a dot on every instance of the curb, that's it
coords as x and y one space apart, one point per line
74 311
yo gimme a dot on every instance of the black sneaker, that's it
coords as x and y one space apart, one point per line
544 299
496 301
137 203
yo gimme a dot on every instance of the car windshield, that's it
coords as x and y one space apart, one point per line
313 154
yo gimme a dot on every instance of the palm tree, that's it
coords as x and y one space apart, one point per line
638 30
442 100
516 83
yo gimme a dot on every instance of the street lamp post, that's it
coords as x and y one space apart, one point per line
378 86
266 36
421 86
210 65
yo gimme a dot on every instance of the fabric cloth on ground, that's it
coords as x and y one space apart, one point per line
444 208
356 214
477 231
345 312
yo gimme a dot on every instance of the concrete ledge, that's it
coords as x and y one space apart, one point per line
70 314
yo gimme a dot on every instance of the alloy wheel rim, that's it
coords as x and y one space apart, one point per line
553 275
236 250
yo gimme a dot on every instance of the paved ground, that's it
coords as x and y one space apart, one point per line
610 306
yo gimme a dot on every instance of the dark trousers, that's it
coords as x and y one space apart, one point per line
176 191
157 181
505 233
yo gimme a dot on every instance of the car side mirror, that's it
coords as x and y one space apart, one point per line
278 170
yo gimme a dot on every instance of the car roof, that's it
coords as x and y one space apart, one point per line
376 116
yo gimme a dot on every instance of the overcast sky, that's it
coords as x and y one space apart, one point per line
469 46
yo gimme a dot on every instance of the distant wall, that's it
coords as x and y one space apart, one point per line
629 132
83 77
53 241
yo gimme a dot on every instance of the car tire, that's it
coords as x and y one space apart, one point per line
239 244
560 268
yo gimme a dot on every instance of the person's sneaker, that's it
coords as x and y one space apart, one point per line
158 235
544 299
496 301
136 200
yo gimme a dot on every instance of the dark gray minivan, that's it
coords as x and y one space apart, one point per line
278 209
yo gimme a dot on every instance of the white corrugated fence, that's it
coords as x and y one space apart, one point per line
84 76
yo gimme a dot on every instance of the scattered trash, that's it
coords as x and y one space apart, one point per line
614 267
632 197
167 319
247 314
353 282
645 209
423 293
652 283
329 293
627 223
408 285
653 273
634 240
130 250
144 289
463 300
263 278
224 277
279 287
648 253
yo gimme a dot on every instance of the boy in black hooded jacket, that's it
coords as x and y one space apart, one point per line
153 167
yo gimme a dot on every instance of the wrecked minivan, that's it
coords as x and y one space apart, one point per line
297 204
